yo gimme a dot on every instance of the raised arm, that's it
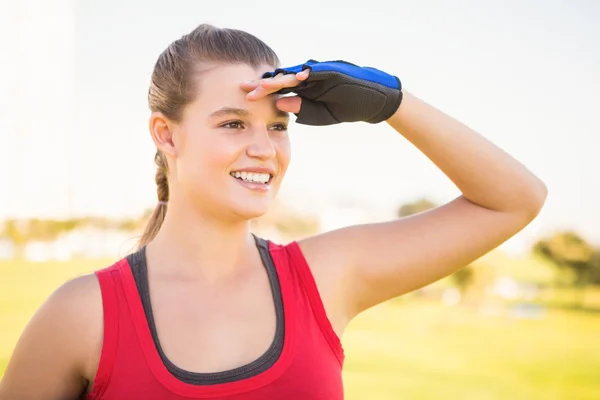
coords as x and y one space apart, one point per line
360 266
384 260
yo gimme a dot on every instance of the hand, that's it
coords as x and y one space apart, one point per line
268 86
332 92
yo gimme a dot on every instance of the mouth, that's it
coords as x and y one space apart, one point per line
261 178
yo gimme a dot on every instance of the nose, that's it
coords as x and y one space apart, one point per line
261 146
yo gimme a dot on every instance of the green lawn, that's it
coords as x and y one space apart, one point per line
425 351
412 349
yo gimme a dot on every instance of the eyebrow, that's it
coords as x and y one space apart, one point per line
241 112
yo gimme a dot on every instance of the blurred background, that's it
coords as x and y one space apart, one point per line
522 322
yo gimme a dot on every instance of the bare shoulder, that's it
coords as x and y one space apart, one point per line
84 288
327 268
59 349
79 303
73 310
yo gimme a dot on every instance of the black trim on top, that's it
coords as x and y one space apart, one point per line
139 268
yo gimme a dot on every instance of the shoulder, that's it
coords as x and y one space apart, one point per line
84 288
59 349
76 308
75 302
305 256
323 269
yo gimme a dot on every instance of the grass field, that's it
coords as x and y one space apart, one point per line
412 349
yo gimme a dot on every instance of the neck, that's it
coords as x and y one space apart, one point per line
200 245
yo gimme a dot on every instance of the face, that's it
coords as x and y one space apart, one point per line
231 154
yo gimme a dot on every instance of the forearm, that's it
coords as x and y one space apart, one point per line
485 174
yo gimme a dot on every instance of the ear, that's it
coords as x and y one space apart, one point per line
161 129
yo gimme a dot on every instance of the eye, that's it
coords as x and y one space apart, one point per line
280 127
233 125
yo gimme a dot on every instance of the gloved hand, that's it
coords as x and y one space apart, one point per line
338 91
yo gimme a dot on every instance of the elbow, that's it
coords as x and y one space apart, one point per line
535 199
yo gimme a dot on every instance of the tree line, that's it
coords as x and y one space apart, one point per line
577 260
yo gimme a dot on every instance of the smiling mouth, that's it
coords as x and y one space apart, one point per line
252 177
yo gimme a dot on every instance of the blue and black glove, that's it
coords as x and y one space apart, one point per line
338 91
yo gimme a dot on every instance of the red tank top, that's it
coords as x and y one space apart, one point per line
309 366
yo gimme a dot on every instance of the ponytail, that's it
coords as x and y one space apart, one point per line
162 190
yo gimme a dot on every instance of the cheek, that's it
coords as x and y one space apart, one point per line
206 158
283 150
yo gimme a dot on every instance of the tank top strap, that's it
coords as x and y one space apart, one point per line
299 268
110 287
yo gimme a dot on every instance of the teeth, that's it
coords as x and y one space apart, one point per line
252 176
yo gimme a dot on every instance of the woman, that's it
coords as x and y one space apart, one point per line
205 310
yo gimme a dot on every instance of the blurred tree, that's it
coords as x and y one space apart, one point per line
47 229
595 270
578 262
571 254
68 224
43 230
463 278
129 225
21 232
415 207
298 226
16 232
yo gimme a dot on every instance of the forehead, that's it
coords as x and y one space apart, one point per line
220 85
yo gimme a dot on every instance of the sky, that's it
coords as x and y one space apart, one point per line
523 74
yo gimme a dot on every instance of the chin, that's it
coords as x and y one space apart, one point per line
250 208
249 213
